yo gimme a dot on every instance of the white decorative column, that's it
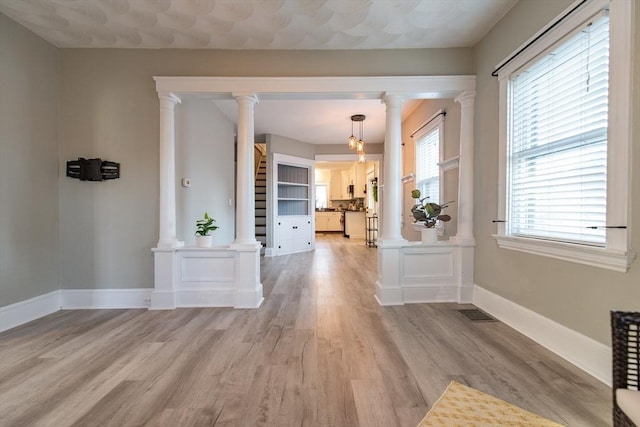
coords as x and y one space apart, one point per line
167 233
388 286
245 196
248 292
465 180
163 295
464 238
392 203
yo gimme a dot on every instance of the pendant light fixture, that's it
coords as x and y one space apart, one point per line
352 141
358 143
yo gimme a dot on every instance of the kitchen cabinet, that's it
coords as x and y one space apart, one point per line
341 180
346 181
336 189
334 221
321 221
359 180
328 221
354 223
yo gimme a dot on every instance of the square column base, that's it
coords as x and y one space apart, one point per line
425 273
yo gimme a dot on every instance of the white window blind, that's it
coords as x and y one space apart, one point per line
427 169
557 141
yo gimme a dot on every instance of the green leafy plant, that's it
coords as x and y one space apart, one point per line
204 226
374 188
428 212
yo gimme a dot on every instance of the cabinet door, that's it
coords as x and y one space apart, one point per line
293 234
322 221
334 222
360 180
346 181
284 235
336 185
303 234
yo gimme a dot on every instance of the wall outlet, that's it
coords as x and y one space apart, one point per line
147 302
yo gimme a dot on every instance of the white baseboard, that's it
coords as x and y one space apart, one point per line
73 299
204 298
25 311
429 294
586 353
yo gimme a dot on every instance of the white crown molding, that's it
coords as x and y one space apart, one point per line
587 354
405 87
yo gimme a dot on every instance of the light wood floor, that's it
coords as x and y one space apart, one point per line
319 352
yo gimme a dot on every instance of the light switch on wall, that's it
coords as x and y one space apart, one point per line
186 182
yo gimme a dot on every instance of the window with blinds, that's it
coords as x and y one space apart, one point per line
557 140
427 159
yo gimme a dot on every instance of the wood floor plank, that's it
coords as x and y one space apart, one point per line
319 352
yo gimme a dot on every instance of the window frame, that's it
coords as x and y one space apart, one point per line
616 254
435 123
326 191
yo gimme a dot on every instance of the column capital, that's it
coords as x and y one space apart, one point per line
392 100
169 96
245 96
466 97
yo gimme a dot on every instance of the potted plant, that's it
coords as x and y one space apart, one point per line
428 213
203 227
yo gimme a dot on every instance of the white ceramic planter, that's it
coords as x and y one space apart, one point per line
204 241
429 235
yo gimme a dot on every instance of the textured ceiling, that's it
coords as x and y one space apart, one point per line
259 24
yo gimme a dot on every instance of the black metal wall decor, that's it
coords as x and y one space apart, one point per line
92 169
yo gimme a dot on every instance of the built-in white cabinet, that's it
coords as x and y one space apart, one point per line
293 207
293 234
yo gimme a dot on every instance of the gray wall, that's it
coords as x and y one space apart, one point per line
573 295
109 109
29 233
451 148
205 155
291 147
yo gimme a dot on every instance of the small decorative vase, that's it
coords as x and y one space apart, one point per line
204 241
429 235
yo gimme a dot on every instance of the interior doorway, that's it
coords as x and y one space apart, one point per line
351 196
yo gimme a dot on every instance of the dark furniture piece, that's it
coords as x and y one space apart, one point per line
625 347
372 231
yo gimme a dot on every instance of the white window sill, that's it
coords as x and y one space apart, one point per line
596 257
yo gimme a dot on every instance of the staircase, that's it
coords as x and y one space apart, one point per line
261 203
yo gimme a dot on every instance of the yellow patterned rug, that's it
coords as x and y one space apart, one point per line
463 406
